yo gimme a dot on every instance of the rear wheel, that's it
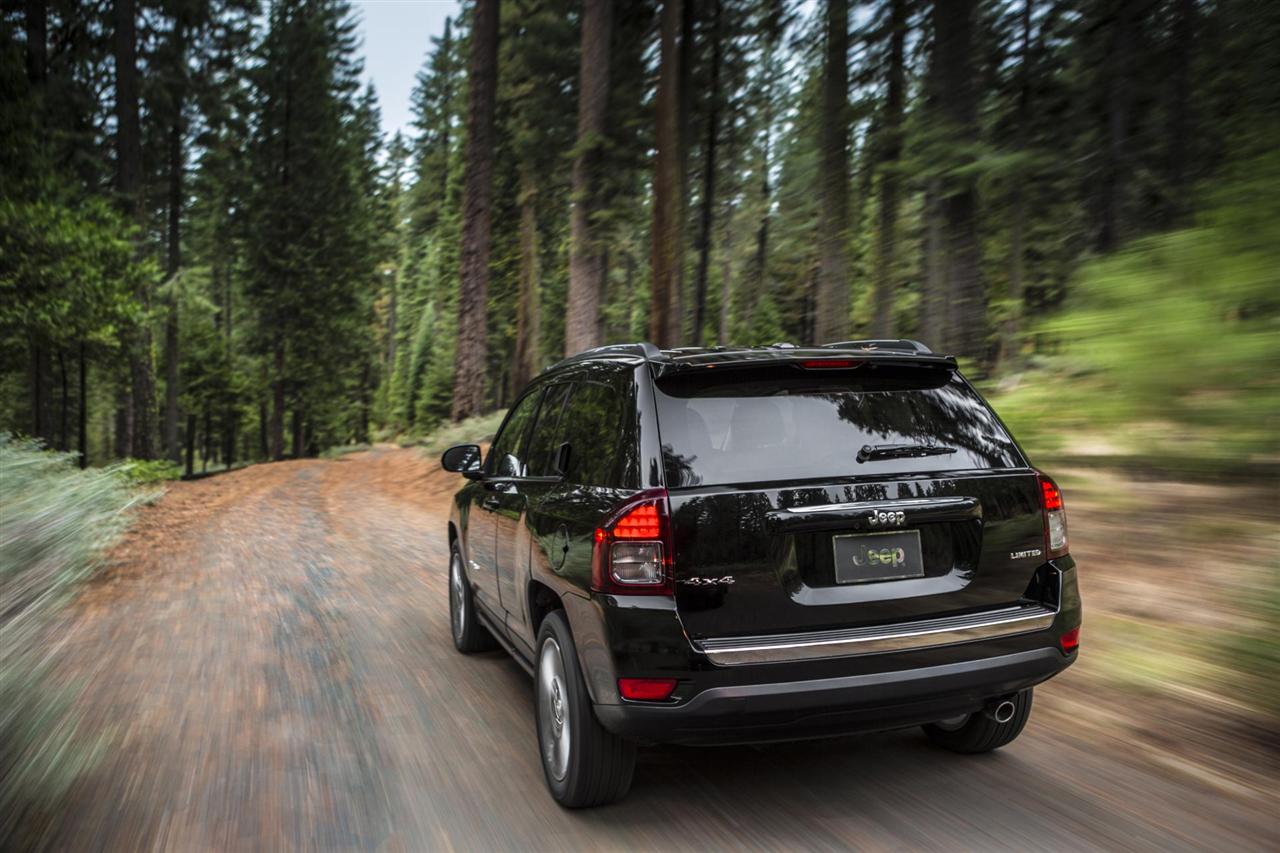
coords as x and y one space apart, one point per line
585 765
979 732
468 634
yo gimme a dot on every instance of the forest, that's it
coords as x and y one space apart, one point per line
210 252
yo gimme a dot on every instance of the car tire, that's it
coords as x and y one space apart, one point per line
469 635
584 764
979 733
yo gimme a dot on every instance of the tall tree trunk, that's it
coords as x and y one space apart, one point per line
129 185
831 303
1119 105
296 438
586 255
264 442
171 359
708 180
528 308
882 324
664 324
1180 119
64 405
276 428
446 48
469 363
933 304
36 22
958 102
82 411
759 274
37 390
191 443
1009 343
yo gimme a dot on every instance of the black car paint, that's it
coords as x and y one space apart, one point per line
546 525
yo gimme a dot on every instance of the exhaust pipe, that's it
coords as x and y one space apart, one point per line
1000 710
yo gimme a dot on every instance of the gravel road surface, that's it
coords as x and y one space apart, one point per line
270 655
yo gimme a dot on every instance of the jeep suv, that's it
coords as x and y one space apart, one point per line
753 544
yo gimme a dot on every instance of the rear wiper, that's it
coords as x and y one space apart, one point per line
901 451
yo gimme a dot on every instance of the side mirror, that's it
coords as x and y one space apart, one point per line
463 459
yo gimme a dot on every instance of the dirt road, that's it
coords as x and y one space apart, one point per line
271 657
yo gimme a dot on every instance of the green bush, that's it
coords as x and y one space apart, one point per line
1169 349
142 472
55 522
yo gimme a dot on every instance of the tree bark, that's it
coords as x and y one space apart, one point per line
586 258
137 339
171 361
36 22
831 303
276 427
958 102
1009 344
882 324
82 411
664 324
1180 119
1119 104
933 304
528 308
708 180
469 363
191 444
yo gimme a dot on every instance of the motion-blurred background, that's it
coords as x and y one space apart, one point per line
213 253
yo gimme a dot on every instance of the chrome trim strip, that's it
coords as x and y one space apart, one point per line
901 503
905 636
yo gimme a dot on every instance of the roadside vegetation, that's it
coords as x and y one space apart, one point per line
55 523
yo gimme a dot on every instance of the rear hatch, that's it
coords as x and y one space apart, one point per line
808 498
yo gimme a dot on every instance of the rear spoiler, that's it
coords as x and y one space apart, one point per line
810 358
834 355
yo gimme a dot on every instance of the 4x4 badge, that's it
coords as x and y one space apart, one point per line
706 581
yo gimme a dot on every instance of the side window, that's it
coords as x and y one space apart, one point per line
592 424
545 438
506 457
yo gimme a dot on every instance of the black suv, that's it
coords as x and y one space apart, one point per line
753 544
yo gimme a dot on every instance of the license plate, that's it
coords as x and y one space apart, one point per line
889 556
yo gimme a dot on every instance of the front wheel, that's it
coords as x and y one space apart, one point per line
585 764
980 733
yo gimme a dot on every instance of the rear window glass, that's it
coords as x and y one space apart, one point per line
592 424
787 423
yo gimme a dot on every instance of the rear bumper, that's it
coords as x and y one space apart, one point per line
792 710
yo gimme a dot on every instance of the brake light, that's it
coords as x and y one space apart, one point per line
632 553
829 362
646 689
1070 641
1055 518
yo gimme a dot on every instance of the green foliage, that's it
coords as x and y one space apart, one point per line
1167 349
57 521
143 472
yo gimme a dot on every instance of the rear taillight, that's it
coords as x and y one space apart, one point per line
633 548
1055 518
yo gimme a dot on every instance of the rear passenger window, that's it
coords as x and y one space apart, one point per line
545 437
592 424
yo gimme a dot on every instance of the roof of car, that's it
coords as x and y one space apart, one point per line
680 358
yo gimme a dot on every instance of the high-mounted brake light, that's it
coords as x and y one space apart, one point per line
646 689
1055 518
818 363
632 553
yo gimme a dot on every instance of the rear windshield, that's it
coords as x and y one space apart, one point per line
787 423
